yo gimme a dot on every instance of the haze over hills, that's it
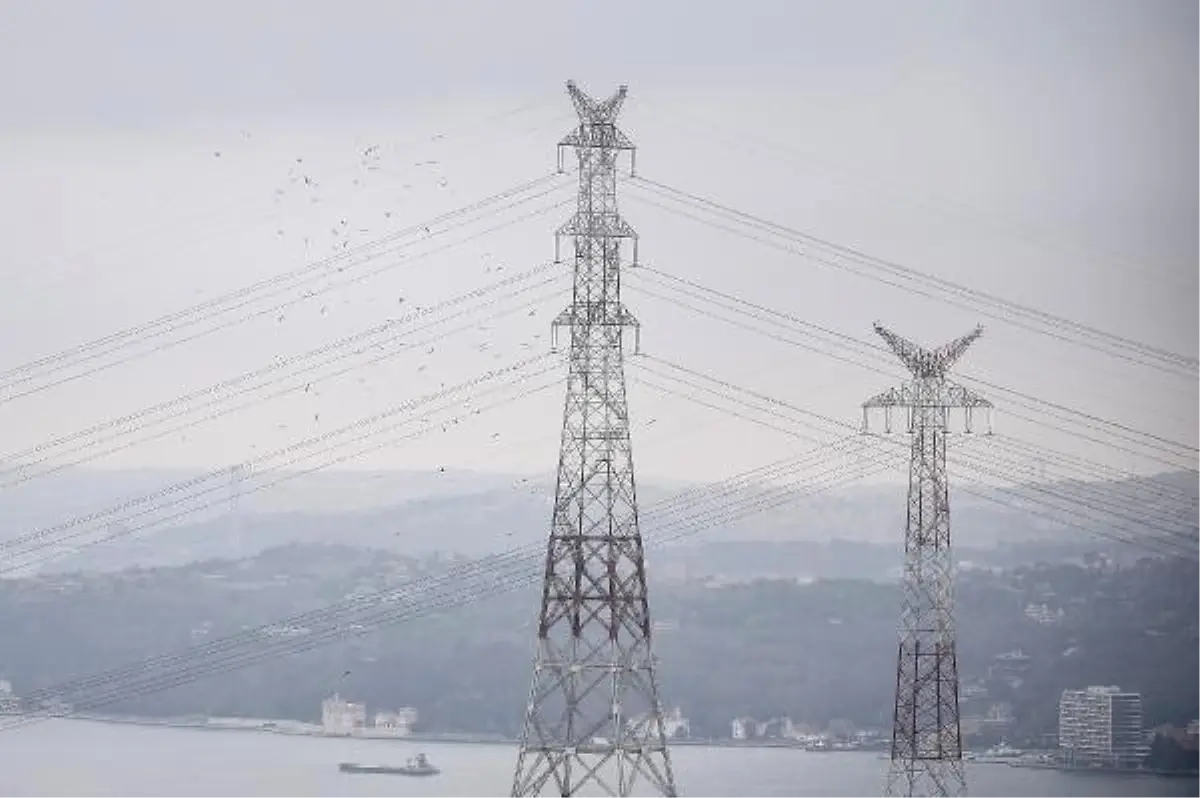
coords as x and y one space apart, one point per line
815 651
477 513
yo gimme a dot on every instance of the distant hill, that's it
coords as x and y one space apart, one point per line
474 513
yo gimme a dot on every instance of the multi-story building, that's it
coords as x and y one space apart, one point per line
743 728
342 717
674 725
1101 727
398 724
9 703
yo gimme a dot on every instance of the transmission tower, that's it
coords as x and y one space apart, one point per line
594 722
926 739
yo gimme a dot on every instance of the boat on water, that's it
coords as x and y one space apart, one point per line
1003 751
419 765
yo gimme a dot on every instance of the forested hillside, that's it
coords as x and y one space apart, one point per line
814 652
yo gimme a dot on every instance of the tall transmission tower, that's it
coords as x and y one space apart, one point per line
926 738
594 722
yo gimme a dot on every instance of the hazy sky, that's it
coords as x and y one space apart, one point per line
153 156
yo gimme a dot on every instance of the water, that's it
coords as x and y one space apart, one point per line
76 757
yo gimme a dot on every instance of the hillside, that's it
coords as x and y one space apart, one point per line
815 652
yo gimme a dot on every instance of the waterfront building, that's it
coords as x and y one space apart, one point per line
342 718
1101 727
396 724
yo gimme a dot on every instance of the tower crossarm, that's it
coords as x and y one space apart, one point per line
928 399
594 111
597 314
597 224
955 395
928 393
948 354
602 225
927 363
596 141
892 397
597 127
597 121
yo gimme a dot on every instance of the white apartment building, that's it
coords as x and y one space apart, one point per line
9 703
398 723
1101 726
342 717
674 725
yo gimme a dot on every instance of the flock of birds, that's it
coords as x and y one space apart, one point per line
375 172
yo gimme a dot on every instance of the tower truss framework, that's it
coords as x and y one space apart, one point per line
926 754
593 723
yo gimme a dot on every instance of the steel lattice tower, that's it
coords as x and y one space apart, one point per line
594 722
926 739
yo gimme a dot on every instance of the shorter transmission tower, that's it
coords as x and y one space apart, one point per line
926 738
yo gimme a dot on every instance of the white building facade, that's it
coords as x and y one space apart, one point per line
9 703
342 718
396 724
1101 727
674 725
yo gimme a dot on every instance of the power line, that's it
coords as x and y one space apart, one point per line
937 287
270 287
857 347
457 586
853 361
457 593
361 342
694 125
1177 543
56 534
359 608
1097 500
1164 489
1136 538
231 205
1158 501
260 312
383 603
985 468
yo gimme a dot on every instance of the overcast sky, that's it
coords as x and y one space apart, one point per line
154 154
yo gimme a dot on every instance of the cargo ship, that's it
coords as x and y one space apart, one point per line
419 765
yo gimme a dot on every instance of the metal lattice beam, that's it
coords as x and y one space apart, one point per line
926 756
594 721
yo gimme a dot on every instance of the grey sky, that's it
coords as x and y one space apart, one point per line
1042 151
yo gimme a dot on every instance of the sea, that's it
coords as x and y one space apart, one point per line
74 757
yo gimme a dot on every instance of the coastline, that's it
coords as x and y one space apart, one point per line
1107 771
301 729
